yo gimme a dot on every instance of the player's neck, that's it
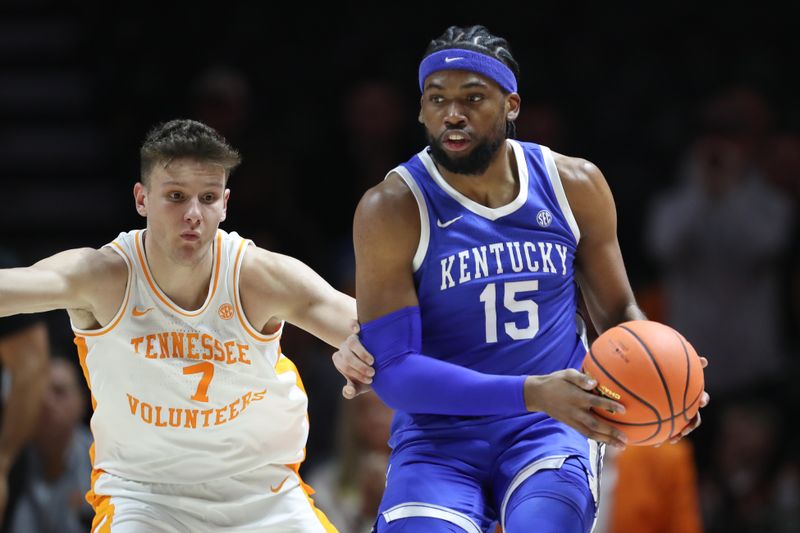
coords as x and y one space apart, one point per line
495 187
184 284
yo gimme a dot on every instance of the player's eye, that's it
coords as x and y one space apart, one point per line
175 196
209 198
473 98
436 99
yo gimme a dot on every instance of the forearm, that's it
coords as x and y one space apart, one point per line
25 356
409 381
28 290
330 319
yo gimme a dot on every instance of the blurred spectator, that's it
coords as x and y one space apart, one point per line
719 237
649 490
722 237
741 114
57 461
782 163
751 485
222 98
23 356
373 133
374 121
349 487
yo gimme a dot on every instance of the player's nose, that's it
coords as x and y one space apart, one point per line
193 214
454 115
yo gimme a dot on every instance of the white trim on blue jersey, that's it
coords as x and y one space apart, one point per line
480 209
424 221
427 510
558 187
545 463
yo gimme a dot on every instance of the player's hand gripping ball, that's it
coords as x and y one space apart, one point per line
654 372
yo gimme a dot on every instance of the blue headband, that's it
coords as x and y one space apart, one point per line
460 59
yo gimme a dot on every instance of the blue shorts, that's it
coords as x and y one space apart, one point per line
470 478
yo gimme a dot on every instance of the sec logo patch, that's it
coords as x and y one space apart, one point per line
225 311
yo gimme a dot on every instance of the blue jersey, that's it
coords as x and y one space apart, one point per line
496 286
497 294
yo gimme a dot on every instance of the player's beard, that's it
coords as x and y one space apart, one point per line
476 161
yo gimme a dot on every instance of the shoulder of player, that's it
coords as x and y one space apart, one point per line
268 273
579 175
388 210
87 265
586 188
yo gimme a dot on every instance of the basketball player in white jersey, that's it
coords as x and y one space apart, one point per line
199 420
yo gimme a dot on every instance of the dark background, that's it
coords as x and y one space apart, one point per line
322 102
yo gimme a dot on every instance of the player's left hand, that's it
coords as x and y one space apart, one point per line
694 423
354 362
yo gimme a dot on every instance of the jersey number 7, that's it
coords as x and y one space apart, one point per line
207 369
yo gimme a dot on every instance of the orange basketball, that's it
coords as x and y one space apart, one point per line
654 372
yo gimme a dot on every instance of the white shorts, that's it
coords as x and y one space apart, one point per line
271 499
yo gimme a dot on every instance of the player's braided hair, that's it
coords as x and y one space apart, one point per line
478 39
183 138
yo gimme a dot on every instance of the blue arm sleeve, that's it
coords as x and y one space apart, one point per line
408 381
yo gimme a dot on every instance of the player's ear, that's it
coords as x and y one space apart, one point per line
513 104
225 196
140 197
419 117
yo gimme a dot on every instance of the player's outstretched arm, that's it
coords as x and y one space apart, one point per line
67 280
277 287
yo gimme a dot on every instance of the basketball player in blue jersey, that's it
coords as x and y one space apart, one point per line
469 258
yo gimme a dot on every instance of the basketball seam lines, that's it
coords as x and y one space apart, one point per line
626 389
660 375
658 419
688 375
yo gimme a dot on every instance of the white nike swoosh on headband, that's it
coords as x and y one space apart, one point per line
451 59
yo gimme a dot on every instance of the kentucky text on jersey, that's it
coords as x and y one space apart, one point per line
476 263
176 344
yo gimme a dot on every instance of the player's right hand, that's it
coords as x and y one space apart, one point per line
354 362
566 396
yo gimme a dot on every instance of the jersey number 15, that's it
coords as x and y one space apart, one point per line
510 290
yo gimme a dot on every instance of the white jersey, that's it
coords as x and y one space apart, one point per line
189 396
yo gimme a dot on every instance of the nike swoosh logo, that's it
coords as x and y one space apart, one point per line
445 224
280 485
140 312
451 59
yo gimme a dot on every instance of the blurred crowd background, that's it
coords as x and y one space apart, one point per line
690 110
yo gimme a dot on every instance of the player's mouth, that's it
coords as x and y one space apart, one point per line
190 236
455 141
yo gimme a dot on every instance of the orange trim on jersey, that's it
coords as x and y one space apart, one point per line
83 351
286 365
103 515
239 313
157 291
323 520
103 508
121 313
